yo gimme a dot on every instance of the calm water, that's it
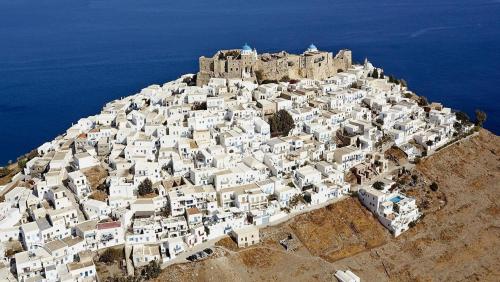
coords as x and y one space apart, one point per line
61 61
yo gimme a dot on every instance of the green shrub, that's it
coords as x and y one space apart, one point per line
408 95
146 187
22 163
379 185
480 118
151 271
111 255
281 123
434 187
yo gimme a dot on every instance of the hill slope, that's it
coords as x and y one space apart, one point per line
458 239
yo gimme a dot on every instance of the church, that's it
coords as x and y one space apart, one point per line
247 64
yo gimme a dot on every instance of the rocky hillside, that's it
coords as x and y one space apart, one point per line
457 240
459 237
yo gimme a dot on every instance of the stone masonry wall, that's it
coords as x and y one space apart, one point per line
313 65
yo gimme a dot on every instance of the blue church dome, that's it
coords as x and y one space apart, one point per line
312 48
246 48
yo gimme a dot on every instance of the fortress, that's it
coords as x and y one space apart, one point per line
246 64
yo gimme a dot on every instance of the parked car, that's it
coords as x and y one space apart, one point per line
200 255
192 258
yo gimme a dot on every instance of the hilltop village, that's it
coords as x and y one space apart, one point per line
248 141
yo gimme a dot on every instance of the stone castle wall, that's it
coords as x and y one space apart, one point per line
277 66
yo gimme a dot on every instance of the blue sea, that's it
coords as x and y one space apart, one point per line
62 60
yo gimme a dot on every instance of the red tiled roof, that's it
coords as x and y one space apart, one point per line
192 211
108 225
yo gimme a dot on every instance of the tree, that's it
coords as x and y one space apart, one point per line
379 185
457 126
295 200
375 73
146 187
190 81
151 271
401 181
462 117
480 117
414 177
4 171
22 163
381 75
422 101
434 187
165 212
106 257
281 123
110 255
259 76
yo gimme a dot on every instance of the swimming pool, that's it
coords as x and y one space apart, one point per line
396 199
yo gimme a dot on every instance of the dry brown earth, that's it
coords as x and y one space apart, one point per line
95 175
457 240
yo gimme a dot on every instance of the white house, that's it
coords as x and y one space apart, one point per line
78 183
96 210
58 198
84 160
31 236
246 236
306 176
143 254
347 157
394 210
109 234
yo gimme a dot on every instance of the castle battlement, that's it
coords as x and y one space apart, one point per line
246 64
